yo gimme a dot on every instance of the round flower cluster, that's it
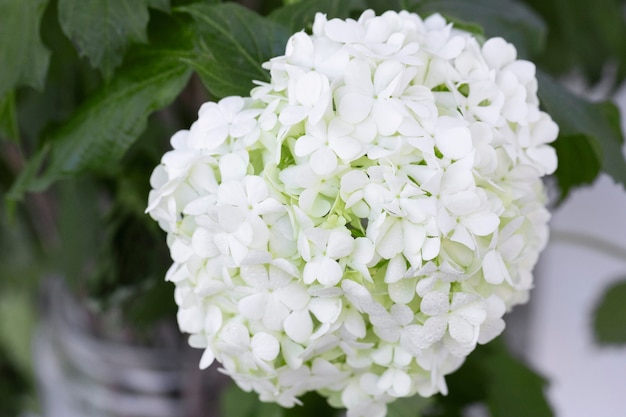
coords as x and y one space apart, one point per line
359 223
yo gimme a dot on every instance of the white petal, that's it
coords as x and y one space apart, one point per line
355 324
275 313
388 117
391 241
339 245
323 161
494 269
253 306
482 224
291 115
232 193
207 358
435 303
329 272
462 331
454 143
232 167
294 296
306 145
265 346
299 326
498 52
396 268
326 310
309 88
354 107
402 291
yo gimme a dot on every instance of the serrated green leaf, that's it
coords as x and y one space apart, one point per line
298 16
609 321
105 126
232 43
8 118
102 30
509 19
589 134
24 57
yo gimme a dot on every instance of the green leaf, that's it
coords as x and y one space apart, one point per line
163 5
580 161
298 16
235 402
609 320
513 389
105 126
232 43
509 19
8 118
103 29
589 135
601 40
408 407
23 56
492 377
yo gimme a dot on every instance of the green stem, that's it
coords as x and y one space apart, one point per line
591 242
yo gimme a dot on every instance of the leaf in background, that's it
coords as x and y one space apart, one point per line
609 320
509 19
408 407
235 402
8 118
313 405
23 56
580 162
492 377
232 44
513 389
300 15
583 36
102 30
105 126
589 136
163 5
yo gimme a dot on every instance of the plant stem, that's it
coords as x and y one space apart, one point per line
592 242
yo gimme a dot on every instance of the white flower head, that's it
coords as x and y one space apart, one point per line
363 220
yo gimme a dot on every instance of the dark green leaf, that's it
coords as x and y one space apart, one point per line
513 389
235 402
298 16
610 316
590 134
408 407
313 405
580 162
24 57
102 30
232 44
8 118
101 131
163 5
583 37
509 19
13 386
492 377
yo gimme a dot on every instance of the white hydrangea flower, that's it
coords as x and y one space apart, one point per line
361 222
